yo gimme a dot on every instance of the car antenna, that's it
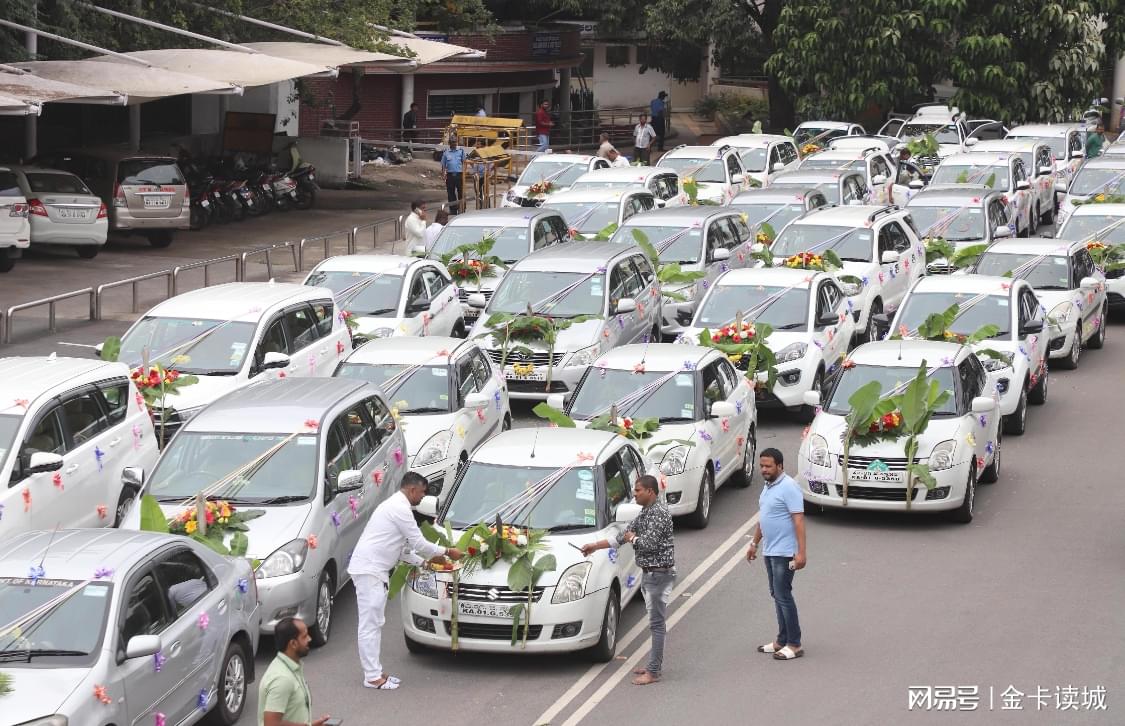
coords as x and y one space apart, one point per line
46 549
534 442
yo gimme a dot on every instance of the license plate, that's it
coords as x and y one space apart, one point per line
72 213
883 477
470 314
485 610
525 372
157 202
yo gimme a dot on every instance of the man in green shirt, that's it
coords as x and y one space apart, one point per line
1095 142
283 695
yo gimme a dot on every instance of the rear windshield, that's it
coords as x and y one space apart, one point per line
56 183
149 171
9 187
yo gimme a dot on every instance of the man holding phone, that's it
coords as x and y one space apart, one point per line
781 523
283 694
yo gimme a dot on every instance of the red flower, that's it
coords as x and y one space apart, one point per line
472 550
209 516
715 337
627 423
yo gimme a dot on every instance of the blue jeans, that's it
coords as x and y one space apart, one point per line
781 590
656 589
544 142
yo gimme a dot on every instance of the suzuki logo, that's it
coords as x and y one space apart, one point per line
523 355
493 594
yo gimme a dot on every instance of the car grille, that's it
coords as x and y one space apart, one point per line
940 268
862 462
483 593
537 357
172 423
883 494
488 631
463 294
518 386
528 202
930 161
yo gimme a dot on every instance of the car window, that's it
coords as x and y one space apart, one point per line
733 167
482 369
435 281
816 200
712 385
719 235
83 417
466 379
115 394
1019 171
1043 158
544 235
1084 266
359 428
302 325
788 152
1075 141
775 158
624 281
630 473
833 294
381 417
337 455
149 171
9 185
848 192
673 184
273 341
880 167
898 237
644 268
145 611
558 229
824 301
185 578
55 183
728 378
46 436
739 232
616 487
886 240
417 288
322 312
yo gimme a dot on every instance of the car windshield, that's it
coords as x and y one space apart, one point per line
753 159
585 294
808 133
955 224
702 170
484 489
786 309
889 377
252 468
944 133
772 213
849 243
9 427
1057 143
66 635
1098 181
973 174
510 243
1089 227
426 390
587 216
607 184
149 171
822 163
559 173
1044 272
673 401
988 310
685 248
55 183
190 345
830 190
378 295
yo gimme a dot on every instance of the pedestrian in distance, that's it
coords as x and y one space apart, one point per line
604 146
781 524
415 224
658 107
1095 141
481 112
643 135
410 123
653 546
452 168
440 220
283 694
616 159
391 535
543 124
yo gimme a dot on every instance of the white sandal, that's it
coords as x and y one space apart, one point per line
387 685
788 653
768 648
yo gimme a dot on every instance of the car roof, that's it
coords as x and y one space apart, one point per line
383 264
582 257
656 357
639 174
977 157
1033 246
909 353
677 215
491 217
1045 130
1025 144
592 195
573 158
27 377
235 300
76 554
1105 162
784 276
703 152
764 194
935 195
750 141
25 168
842 125
409 350
280 406
971 284
852 215
811 176
842 154
553 448
109 154
1099 210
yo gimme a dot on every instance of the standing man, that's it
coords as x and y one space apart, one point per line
782 525
415 225
643 134
659 110
651 536
543 124
604 145
616 159
409 123
283 694
452 166
390 535
1095 141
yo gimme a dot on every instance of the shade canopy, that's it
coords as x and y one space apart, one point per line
234 67
15 107
432 51
139 83
331 56
31 88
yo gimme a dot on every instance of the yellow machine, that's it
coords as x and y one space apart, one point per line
487 141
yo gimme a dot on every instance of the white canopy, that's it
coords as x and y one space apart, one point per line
14 107
330 55
235 67
139 83
432 51
35 89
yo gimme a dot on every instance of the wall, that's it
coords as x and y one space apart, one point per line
276 98
516 45
624 86
379 96
329 155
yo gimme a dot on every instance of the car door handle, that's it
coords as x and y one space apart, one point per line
71 468
175 649
115 442
222 606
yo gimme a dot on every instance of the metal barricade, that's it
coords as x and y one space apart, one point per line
327 241
366 237
292 246
50 303
206 265
133 281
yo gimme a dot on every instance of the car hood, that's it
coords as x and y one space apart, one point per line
40 692
557 545
367 325
278 525
711 191
940 429
1050 298
205 391
579 335
418 429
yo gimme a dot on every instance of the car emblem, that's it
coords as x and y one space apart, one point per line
493 594
523 355
878 465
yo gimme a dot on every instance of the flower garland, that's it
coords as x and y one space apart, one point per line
1102 198
472 260
748 353
541 188
810 148
812 261
220 518
468 268
734 333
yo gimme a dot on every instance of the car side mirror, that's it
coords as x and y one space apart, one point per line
627 512
1087 283
476 401
972 141
1077 154
811 398
723 409
1023 184
556 401
418 305
878 179
1060 186
44 461
882 323
418 250
983 404
142 646
917 184
1002 230
274 360
826 319
428 506
778 166
98 349
477 301
1031 327
349 480
133 479
737 178
1046 169
625 305
889 257
719 254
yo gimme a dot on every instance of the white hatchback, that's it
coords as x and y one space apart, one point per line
63 211
879 170
1103 223
1039 163
1104 175
589 211
1004 172
763 155
15 228
663 183
717 170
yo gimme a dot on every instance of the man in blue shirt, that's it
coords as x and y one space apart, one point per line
781 523
452 166
659 110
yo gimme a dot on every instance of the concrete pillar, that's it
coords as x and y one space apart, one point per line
564 95
407 94
224 106
135 127
1118 92
31 122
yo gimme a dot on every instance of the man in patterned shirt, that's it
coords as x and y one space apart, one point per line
651 536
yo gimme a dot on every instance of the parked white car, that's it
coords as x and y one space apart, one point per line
961 445
664 183
703 399
449 397
1008 175
63 211
1069 286
964 215
391 295
839 187
777 206
1010 305
824 132
15 228
557 170
763 155
1039 164
589 211
717 169
1103 175
1100 223
577 606
1067 142
68 426
232 335
867 141
879 170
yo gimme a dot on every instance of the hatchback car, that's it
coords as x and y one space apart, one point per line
1104 175
62 210
838 187
777 206
588 211
134 628
390 295
449 396
878 168
577 606
15 228
556 172
964 215
1004 172
763 155
68 426
1103 223
698 397
717 170
663 183
961 444
614 284
316 455
1039 164
234 334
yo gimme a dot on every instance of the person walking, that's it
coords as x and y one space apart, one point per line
283 693
415 225
1095 141
651 536
440 220
452 168
390 535
643 134
616 159
410 123
543 124
604 146
781 509
659 110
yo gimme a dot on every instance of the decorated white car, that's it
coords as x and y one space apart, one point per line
777 206
1067 142
840 187
1104 223
963 215
1004 172
823 133
1039 163
590 211
878 168
664 183
1097 179
547 174
763 155
717 170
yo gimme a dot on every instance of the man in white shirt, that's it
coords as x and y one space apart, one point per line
390 535
416 225
616 160
643 135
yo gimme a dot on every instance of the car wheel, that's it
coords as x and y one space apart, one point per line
701 517
876 308
805 414
606 647
322 625
1097 340
964 513
1049 217
414 647
122 508
507 425
232 687
87 252
459 330
745 477
1071 361
160 239
1016 422
992 472
1038 394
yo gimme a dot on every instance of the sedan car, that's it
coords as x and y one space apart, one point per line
556 172
1104 175
63 211
664 183
777 206
961 445
1004 172
963 215
589 211
839 187
1103 223
125 627
718 170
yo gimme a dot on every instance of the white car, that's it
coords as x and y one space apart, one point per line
879 170
777 206
68 426
822 133
232 335
392 295
15 228
1100 223
449 396
839 187
878 245
1067 142
577 606
1069 286
63 211
558 171
947 124
1007 174
964 215
717 170
1039 164
1103 175
961 445
1012 307
867 141
703 399
664 183
589 211
809 316
763 155
699 239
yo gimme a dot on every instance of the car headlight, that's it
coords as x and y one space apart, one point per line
1061 313
818 451
56 720
285 560
584 356
674 461
850 289
993 365
425 584
942 457
792 352
572 585
510 196
381 333
434 450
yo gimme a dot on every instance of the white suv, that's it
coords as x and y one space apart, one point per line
1007 174
1100 223
558 171
717 169
1039 164
763 155
1104 175
879 169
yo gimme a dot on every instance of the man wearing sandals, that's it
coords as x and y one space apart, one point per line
781 523
390 535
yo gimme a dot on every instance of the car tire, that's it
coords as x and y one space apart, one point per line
991 472
507 424
964 513
233 687
121 509
745 477
88 252
1049 217
701 517
1070 362
459 330
869 333
1038 394
1097 340
806 413
1015 423
321 626
6 262
160 239
414 647
606 646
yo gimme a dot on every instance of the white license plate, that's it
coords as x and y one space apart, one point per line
882 477
536 375
72 213
484 610
157 202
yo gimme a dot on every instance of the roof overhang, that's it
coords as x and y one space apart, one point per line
431 51
332 55
31 88
233 67
10 106
140 83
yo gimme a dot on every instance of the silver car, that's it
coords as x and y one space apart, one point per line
136 624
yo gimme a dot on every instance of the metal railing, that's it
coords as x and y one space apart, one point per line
50 302
206 265
360 234
267 251
327 241
132 281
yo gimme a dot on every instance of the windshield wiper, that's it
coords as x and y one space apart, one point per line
380 311
425 409
673 419
962 239
29 653
286 499
853 259
207 372
789 326
568 527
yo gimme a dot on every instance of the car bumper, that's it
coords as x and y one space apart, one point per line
123 221
822 486
684 488
1062 350
563 380
437 474
1115 292
54 233
287 596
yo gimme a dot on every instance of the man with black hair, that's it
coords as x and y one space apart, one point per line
283 694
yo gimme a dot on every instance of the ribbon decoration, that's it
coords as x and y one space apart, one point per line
103 573
98 456
158 659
